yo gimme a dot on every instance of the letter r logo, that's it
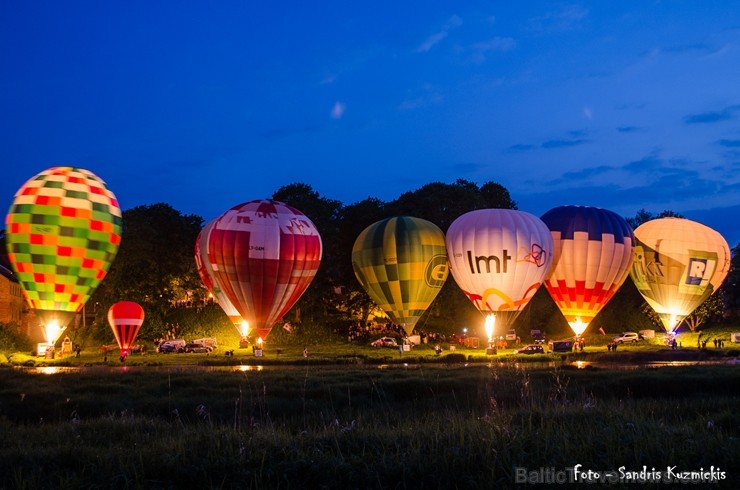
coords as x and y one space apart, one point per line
697 268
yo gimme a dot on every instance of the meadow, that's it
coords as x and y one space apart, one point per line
356 417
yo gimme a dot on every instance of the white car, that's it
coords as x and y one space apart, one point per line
385 342
172 345
627 337
209 342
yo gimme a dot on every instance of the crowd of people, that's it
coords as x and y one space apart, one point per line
367 331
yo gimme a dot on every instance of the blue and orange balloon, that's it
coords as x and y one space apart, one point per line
594 248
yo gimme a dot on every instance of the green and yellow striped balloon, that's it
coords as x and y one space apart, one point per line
63 231
402 264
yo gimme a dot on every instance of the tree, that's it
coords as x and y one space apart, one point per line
4 260
155 264
643 216
353 219
731 286
317 302
444 203
711 308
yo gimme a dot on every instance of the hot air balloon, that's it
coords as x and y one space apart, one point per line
402 264
63 231
678 264
593 255
205 271
125 319
263 254
499 258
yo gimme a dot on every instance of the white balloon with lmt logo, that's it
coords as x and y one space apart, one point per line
499 258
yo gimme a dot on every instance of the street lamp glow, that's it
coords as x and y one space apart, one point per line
490 324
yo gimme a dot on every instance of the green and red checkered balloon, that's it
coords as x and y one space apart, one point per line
62 231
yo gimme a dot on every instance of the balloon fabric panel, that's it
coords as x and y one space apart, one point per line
205 272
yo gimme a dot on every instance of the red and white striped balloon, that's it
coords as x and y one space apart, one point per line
125 319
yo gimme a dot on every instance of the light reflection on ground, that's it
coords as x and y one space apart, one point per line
244 369
50 370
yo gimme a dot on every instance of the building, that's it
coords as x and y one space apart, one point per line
13 308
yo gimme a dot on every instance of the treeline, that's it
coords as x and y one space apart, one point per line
155 266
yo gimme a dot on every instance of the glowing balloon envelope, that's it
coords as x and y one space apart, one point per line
499 258
402 264
264 254
125 319
63 231
678 264
593 255
205 271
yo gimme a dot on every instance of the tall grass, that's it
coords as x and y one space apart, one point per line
359 427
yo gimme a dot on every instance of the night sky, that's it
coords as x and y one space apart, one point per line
204 105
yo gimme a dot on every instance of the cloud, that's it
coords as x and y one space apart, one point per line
522 147
328 80
423 96
729 143
280 133
497 44
587 173
687 48
467 168
713 116
645 164
563 143
437 37
627 129
431 41
566 18
576 137
338 110
577 133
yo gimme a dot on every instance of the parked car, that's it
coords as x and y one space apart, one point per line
206 341
173 345
384 342
532 349
627 337
197 348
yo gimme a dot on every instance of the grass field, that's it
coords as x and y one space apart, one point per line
362 418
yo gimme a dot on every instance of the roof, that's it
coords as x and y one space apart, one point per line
9 274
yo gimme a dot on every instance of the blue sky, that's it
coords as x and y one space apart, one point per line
203 105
